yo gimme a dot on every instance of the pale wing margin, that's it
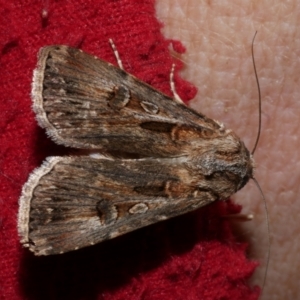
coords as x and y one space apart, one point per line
27 194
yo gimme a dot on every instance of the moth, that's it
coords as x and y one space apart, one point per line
148 157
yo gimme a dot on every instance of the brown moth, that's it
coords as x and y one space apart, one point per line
158 158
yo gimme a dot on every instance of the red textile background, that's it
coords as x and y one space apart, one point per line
190 257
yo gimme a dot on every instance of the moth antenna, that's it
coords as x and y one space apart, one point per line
268 230
113 46
252 152
259 96
172 86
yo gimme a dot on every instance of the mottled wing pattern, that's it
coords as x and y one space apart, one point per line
85 102
181 160
74 202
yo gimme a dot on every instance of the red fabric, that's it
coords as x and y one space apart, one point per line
190 257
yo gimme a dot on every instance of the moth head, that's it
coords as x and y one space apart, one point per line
235 158
225 163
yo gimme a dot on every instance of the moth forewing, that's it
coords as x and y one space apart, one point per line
182 159
80 201
85 102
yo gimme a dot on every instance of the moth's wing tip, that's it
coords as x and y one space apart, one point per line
26 197
37 88
35 243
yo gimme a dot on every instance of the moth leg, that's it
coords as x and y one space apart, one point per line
172 85
116 54
239 217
